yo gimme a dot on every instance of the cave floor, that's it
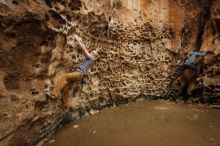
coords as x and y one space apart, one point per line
148 123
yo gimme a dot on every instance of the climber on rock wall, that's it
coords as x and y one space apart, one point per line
190 63
61 87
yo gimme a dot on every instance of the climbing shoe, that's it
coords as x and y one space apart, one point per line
199 79
49 91
50 94
85 81
38 97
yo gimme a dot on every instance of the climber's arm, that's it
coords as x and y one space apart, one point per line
200 54
82 46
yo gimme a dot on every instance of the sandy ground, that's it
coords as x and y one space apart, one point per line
156 123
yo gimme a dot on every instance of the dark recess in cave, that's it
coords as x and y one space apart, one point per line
75 5
15 2
48 3
11 81
217 25
204 17
56 16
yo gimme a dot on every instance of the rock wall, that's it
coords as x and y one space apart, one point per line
140 43
207 40
211 40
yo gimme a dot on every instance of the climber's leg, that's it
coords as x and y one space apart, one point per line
64 81
196 69
179 71
65 94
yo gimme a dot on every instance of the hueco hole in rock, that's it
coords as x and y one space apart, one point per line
109 72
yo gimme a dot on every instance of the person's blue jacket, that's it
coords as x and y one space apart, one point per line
192 57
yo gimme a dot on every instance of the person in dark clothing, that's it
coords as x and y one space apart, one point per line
190 63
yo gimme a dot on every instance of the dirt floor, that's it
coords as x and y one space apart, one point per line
156 123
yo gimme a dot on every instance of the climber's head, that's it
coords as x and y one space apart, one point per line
94 54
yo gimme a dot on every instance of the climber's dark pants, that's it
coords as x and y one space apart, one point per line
180 70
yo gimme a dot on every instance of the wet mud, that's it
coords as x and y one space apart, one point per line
153 123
